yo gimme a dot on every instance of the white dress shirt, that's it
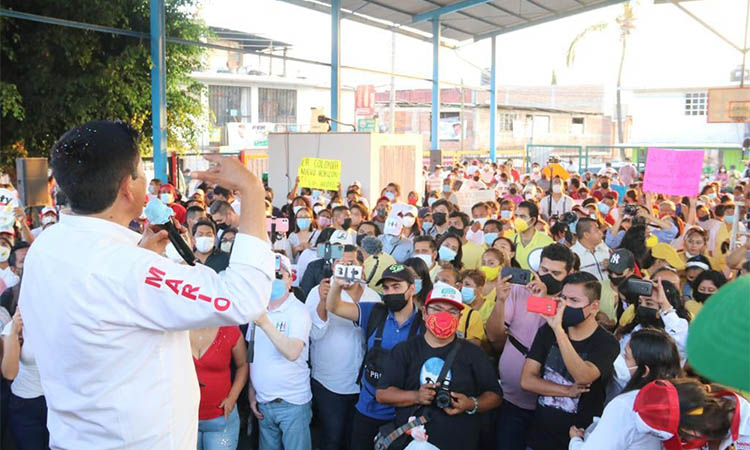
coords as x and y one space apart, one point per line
593 262
337 345
107 321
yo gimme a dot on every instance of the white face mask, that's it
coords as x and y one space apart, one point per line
204 244
622 371
166 198
556 188
151 189
426 258
4 254
481 221
408 221
226 246
48 219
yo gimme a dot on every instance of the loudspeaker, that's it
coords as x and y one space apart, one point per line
31 175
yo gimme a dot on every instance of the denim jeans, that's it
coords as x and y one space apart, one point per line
285 426
219 433
335 413
27 421
512 425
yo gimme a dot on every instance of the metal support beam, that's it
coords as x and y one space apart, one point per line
159 89
435 119
436 13
708 27
493 101
335 55
548 18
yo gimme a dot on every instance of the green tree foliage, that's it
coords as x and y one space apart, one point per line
53 78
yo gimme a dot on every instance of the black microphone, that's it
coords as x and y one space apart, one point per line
160 215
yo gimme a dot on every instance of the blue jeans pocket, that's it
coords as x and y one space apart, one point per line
212 425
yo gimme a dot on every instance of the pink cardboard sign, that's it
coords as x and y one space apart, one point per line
673 172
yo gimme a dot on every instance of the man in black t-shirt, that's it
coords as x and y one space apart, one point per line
569 365
413 368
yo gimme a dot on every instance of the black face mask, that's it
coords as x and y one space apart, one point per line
222 226
456 231
382 212
572 317
648 317
439 218
700 296
394 302
605 185
347 223
617 281
702 218
360 237
553 285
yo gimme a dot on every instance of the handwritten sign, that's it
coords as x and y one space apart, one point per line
320 173
469 198
673 172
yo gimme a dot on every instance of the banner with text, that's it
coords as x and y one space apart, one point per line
673 172
469 198
318 173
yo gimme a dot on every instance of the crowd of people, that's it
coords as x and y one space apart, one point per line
555 316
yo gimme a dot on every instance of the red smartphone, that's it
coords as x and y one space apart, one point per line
541 305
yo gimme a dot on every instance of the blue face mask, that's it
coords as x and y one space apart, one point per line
505 214
467 295
417 286
489 238
729 219
446 188
390 196
426 226
278 289
446 254
303 223
431 200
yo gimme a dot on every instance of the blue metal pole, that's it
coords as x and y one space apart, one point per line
493 102
335 55
434 138
159 89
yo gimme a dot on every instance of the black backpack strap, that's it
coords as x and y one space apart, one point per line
373 272
466 325
518 345
376 323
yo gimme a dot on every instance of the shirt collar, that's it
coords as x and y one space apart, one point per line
406 323
101 226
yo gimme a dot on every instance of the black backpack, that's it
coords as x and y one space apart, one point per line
372 364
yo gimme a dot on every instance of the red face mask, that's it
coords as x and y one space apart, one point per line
413 201
443 325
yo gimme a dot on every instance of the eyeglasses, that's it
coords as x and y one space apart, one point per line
436 309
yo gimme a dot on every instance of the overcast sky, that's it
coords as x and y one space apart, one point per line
667 47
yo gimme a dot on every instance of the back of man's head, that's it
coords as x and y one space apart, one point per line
220 207
90 161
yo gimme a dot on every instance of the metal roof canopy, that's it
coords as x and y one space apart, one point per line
460 20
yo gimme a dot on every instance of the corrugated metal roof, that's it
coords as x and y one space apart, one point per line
478 19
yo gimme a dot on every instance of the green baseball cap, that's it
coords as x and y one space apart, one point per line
718 345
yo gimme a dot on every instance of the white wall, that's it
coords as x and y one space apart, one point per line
359 154
659 118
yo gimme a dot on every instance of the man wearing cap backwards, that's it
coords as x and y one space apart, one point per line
117 371
409 378
569 365
384 325
279 389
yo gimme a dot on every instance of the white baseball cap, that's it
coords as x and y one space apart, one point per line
444 292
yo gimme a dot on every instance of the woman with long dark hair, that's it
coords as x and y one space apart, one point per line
304 231
663 309
449 251
423 282
635 241
650 355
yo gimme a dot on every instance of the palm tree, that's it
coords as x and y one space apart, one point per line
625 23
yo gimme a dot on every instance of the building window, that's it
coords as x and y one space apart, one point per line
541 125
506 122
277 106
229 104
695 104
576 128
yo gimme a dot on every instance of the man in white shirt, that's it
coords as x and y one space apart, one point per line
108 317
336 353
628 173
556 203
279 390
591 249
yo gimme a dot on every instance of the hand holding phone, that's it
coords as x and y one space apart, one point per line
541 305
350 274
518 276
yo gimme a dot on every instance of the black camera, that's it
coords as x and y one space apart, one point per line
443 395
568 218
631 210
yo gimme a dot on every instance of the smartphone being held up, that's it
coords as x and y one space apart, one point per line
541 305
